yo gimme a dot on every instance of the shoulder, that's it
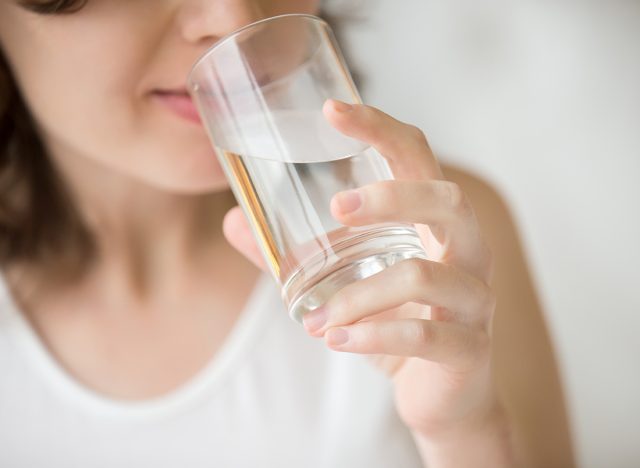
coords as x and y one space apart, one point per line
500 230
526 368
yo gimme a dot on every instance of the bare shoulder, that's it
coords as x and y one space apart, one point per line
526 368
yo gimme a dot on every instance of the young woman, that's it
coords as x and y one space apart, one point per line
135 328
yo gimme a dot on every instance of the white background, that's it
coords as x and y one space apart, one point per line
542 99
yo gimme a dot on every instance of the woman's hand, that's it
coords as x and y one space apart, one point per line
426 323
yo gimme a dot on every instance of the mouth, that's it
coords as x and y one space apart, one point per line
178 101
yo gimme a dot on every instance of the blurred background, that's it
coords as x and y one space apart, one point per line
542 100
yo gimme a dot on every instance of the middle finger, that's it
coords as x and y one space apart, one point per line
441 204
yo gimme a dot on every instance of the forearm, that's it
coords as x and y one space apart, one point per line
486 444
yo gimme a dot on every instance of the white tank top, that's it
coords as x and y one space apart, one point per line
272 397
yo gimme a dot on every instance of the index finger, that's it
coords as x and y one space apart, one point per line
407 152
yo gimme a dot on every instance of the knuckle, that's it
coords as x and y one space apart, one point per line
483 296
456 199
369 112
378 134
454 194
417 134
373 117
341 304
418 272
423 332
386 200
372 335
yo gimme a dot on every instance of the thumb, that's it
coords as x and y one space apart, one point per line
237 231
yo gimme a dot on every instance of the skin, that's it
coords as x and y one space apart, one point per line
149 187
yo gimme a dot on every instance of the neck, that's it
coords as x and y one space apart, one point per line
146 238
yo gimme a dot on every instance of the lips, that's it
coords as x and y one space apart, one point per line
179 103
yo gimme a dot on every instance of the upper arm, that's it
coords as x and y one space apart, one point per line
523 357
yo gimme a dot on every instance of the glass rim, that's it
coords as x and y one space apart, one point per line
237 32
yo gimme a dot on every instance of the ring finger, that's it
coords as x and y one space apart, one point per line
469 299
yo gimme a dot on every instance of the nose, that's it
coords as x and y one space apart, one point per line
205 21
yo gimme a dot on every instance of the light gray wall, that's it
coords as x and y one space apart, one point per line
542 98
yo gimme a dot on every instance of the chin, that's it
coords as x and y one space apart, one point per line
199 174
207 180
198 186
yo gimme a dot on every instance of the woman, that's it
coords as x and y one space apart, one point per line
127 318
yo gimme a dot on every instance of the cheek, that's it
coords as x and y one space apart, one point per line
87 100
96 113
278 7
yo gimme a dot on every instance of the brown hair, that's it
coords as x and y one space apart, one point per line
39 225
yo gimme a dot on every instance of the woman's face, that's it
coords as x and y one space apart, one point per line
108 81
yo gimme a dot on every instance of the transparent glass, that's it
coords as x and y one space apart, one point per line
260 92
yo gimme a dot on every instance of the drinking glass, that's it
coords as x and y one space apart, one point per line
259 92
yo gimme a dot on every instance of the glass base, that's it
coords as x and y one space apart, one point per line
355 259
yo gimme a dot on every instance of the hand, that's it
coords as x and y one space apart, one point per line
425 323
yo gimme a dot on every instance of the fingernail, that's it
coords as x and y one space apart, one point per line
349 201
341 106
315 319
337 336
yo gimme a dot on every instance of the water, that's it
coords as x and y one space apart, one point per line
307 250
